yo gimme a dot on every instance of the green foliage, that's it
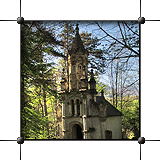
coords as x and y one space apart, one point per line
130 118
35 124
102 86
37 85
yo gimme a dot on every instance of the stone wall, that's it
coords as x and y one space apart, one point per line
115 125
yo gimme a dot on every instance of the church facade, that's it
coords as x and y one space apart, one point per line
84 114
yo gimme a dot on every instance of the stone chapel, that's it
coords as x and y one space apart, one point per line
85 115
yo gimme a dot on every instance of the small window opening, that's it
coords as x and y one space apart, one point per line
78 107
79 68
72 103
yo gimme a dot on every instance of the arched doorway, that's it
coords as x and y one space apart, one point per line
74 130
77 132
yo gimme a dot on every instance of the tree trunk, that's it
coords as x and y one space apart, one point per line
39 94
112 84
44 98
121 90
45 107
117 85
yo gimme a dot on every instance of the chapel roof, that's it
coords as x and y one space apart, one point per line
111 110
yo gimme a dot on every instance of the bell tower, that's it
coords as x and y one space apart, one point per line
78 65
76 97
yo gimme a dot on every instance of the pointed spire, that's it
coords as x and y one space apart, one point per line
63 74
77 44
92 74
77 29
63 81
92 82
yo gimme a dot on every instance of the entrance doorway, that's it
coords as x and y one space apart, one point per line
77 132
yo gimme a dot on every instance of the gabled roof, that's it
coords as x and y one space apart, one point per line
111 110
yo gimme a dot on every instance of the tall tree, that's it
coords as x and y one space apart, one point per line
37 43
96 57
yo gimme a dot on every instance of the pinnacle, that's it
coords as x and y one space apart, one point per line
77 42
77 29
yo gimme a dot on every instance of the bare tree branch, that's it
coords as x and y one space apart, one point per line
122 33
123 57
117 40
130 85
130 29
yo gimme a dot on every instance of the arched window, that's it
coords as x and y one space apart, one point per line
72 103
78 107
80 68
